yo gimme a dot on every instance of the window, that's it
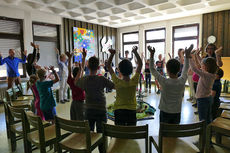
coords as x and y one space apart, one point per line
47 37
128 41
184 36
11 37
156 39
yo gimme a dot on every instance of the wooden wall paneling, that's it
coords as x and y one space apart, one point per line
204 31
99 41
226 36
220 33
106 36
228 48
66 29
77 24
109 36
71 25
96 40
83 24
90 26
215 28
99 32
210 24
114 33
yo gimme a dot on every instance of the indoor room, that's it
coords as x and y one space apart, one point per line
114 76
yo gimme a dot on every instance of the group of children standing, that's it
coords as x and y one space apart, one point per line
89 101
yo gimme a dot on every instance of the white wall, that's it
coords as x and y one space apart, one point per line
28 17
168 24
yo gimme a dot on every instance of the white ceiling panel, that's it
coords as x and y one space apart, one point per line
121 13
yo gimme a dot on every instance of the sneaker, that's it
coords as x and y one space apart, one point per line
196 144
158 91
190 99
194 105
66 100
62 101
196 113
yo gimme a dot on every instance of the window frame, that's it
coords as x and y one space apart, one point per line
19 37
130 42
46 38
187 37
154 40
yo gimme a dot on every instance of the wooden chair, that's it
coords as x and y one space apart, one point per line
44 134
220 126
11 99
16 125
6 110
225 114
19 93
168 140
123 138
81 140
223 106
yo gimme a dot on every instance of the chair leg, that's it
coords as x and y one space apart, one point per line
218 138
208 139
13 141
150 146
7 131
42 149
28 147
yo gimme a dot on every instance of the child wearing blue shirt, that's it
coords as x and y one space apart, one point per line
47 102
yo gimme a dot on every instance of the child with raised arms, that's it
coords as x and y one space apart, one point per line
125 105
172 87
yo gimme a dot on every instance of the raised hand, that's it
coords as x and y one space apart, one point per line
169 55
68 54
24 52
112 51
218 51
134 49
188 51
84 52
0 54
33 45
80 66
51 68
57 51
151 50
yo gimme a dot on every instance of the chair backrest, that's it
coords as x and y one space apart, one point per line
34 120
18 90
126 132
17 112
183 130
6 109
73 127
10 94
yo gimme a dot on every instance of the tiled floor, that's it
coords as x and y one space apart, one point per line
187 116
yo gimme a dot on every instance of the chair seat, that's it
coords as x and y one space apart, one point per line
28 97
17 128
19 103
117 145
225 106
77 141
49 132
226 114
221 123
177 145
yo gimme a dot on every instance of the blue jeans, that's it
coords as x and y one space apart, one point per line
204 109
